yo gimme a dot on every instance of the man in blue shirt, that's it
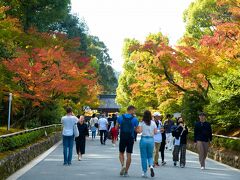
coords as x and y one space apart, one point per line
127 123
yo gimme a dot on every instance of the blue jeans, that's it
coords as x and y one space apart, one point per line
67 148
146 150
93 134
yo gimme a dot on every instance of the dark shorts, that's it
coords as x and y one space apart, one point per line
126 144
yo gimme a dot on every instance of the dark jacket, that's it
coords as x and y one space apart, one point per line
177 133
168 124
202 132
83 131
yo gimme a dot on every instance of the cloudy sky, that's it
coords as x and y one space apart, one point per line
114 20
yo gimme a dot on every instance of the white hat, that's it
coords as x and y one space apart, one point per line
157 114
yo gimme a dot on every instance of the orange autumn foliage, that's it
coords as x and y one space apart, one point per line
44 74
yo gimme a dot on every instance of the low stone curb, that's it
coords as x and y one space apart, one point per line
230 158
14 162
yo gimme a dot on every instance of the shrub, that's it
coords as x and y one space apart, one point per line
14 142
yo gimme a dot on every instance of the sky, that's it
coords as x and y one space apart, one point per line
114 20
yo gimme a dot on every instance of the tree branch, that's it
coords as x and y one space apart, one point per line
171 80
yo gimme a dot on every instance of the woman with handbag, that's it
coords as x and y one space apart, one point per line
94 125
68 122
81 139
180 141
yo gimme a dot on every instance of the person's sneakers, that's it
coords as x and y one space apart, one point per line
122 172
126 174
65 164
182 165
175 163
144 175
156 165
163 163
152 171
202 168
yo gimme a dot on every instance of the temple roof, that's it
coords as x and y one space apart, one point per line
108 102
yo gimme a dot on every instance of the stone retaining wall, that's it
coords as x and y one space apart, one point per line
14 162
226 157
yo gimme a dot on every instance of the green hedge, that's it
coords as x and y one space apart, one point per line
14 142
230 144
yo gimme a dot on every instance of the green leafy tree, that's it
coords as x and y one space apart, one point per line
98 51
92 47
200 15
73 27
37 13
224 107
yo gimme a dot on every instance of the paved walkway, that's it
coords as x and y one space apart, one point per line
101 163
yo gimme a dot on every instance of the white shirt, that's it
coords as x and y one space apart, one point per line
93 121
68 122
148 130
158 136
102 123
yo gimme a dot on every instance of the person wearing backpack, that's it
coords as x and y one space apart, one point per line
127 123
180 141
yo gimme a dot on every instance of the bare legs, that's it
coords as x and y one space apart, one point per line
128 162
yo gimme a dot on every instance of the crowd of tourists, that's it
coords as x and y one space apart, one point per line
157 136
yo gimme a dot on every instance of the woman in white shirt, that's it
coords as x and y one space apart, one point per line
94 125
148 128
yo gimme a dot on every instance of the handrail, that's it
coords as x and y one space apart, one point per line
28 130
228 137
222 136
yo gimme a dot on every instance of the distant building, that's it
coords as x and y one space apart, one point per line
108 104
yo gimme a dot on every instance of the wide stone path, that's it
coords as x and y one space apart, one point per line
101 162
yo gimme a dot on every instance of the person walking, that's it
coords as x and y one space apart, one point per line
168 125
157 137
114 118
180 143
81 139
93 125
110 120
128 124
162 146
202 138
68 123
114 133
103 128
148 128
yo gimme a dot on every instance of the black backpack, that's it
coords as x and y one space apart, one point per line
126 128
